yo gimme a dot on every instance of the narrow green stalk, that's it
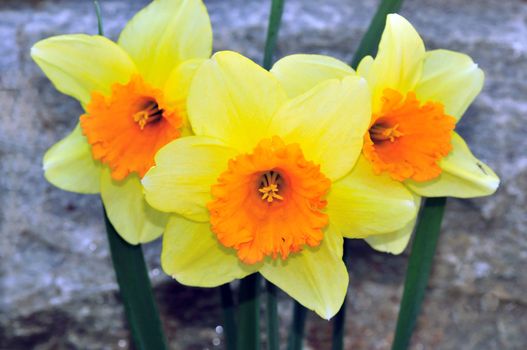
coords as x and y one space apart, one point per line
136 292
132 277
370 41
339 322
229 320
272 317
99 17
296 336
418 271
275 18
249 313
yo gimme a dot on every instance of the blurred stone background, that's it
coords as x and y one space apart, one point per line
57 285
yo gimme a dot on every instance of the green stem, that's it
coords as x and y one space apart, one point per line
275 18
229 321
296 336
249 313
370 41
339 321
272 317
99 17
418 271
136 292
132 277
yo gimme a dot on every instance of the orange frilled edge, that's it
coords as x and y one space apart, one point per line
127 128
408 139
244 217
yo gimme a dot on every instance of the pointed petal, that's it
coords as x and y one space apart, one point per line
69 164
184 173
363 204
299 73
79 64
450 78
194 257
463 176
394 242
233 99
316 277
329 122
399 61
165 34
134 220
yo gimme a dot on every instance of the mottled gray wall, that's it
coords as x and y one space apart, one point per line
58 289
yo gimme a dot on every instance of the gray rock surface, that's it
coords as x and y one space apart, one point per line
57 286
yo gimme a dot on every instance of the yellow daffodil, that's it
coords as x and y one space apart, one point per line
417 98
265 183
134 95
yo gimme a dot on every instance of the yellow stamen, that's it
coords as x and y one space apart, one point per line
381 133
149 114
269 187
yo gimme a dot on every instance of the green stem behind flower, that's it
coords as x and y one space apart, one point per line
419 266
275 18
136 292
249 313
229 320
132 278
370 41
273 342
296 334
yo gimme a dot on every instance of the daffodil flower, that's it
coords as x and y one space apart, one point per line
134 95
265 183
417 98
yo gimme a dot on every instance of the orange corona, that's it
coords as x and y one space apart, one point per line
269 202
407 139
126 129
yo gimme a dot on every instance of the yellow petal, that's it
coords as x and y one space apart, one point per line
299 73
394 242
177 88
463 176
134 220
233 99
399 61
329 122
165 34
79 64
316 277
450 78
184 173
69 164
194 257
364 67
363 204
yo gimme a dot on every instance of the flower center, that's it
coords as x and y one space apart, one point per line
269 202
150 114
127 128
408 138
269 186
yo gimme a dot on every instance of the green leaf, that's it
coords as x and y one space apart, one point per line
249 313
370 41
136 292
418 271
296 334
229 321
